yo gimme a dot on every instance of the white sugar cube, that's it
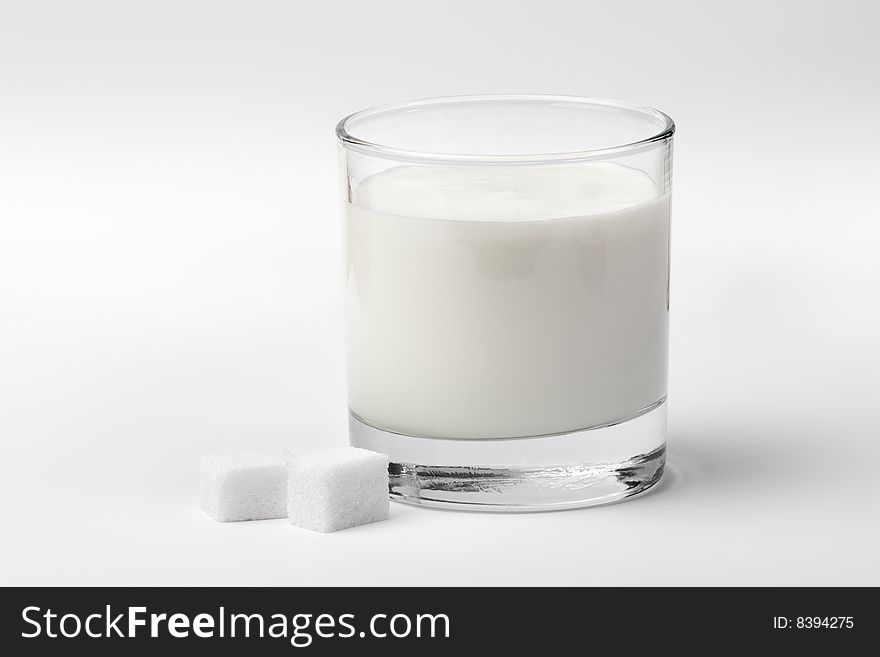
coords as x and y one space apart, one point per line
245 485
337 489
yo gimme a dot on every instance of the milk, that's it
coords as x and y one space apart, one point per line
508 301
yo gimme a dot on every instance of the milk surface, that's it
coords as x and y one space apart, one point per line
500 302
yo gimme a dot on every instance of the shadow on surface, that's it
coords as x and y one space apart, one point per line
696 462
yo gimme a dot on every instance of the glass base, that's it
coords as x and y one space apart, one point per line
582 468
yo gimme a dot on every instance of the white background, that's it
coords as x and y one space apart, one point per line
171 283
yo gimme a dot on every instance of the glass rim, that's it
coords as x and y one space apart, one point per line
353 142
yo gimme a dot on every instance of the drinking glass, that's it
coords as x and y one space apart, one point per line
507 297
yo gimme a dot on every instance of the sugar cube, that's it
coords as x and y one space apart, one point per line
337 489
245 485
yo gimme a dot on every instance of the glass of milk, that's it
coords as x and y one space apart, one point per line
507 297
